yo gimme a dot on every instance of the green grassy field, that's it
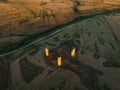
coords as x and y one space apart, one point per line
98 50
96 65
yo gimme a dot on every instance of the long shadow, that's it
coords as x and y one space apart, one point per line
17 45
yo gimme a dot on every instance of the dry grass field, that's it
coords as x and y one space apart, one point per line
18 18
95 34
96 65
21 18
96 39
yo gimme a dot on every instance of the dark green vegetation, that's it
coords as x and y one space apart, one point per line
6 48
96 63
90 77
4 73
29 71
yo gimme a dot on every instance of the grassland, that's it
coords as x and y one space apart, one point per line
22 20
95 66
96 38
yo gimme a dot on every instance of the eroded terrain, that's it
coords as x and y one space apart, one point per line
22 21
96 65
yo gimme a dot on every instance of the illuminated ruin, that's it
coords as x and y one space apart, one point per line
61 55
46 51
73 52
59 61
